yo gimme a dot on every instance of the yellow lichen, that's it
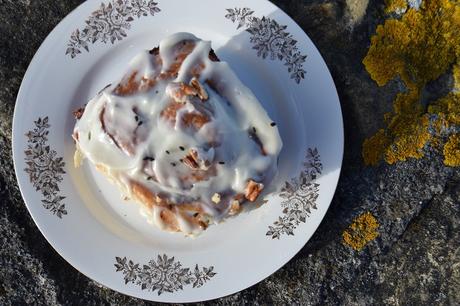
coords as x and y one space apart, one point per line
448 108
395 6
361 231
452 151
374 147
418 48
404 147
456 73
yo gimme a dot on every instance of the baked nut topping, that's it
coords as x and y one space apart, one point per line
253 190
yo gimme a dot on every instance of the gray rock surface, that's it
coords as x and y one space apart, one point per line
415 259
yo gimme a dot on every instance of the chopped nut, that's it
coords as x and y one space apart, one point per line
79 113
205 219
188 90
203 224
191 160
199 159
216 198
239 197
235 208
201 92
180 91
253 190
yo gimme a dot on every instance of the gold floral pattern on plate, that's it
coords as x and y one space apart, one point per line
163 274
44 167
109 23
299 196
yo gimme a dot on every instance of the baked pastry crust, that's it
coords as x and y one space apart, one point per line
186 93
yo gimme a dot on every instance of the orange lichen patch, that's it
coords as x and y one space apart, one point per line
452 151
374 148
448 108
456 73
417 48
406 135
395 6
404 147
361 231
407 128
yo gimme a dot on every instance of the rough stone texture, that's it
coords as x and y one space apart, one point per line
415 260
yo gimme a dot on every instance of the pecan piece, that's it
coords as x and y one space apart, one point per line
253 190
180 91
235 208
201 92
191 160
78 113
199 159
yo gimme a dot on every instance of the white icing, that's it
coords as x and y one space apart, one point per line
233 113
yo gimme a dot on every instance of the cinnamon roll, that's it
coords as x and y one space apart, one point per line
180 134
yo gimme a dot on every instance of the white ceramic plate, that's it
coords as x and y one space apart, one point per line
83 216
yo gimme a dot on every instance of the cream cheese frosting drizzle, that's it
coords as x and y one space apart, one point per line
184 147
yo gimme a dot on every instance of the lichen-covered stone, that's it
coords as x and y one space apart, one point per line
414 260
418 48
361 231
396 6
452 151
